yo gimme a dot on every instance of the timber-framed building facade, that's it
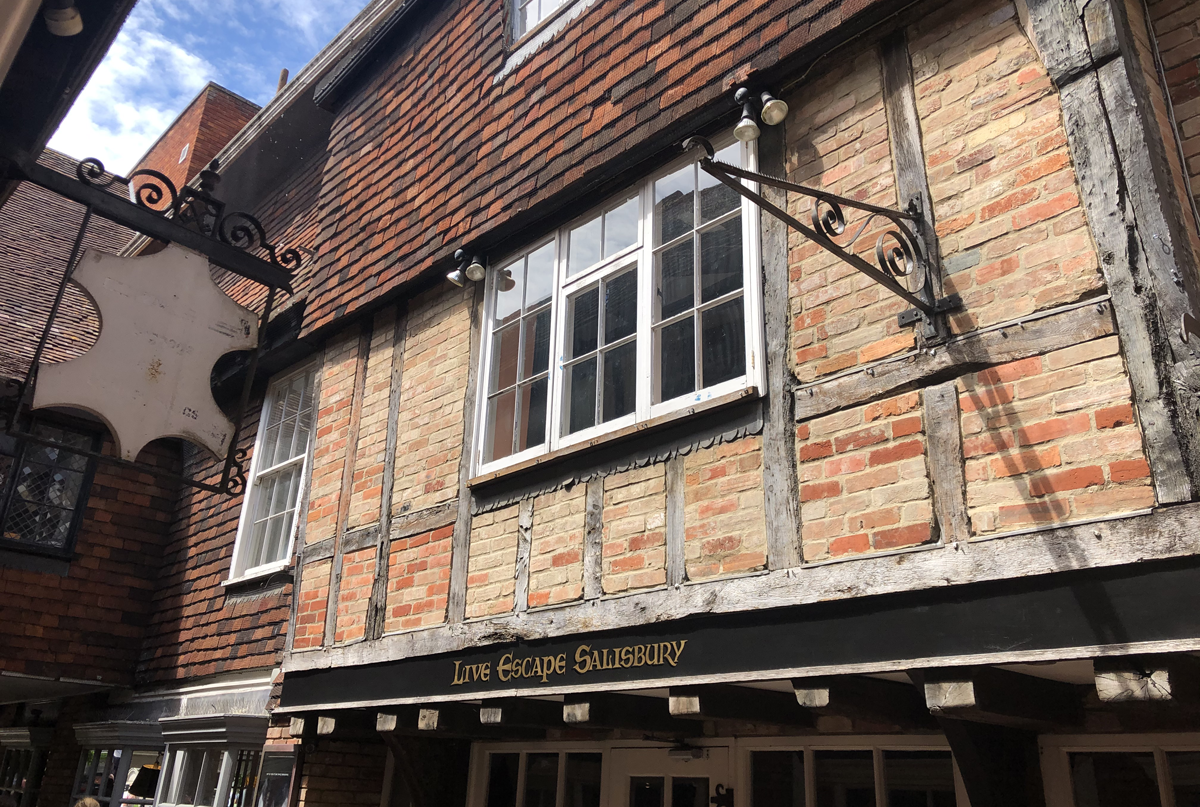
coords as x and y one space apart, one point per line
630 440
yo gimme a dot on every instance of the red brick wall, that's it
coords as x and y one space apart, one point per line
338 773
196 626
208 123
90 624
419 580
433 150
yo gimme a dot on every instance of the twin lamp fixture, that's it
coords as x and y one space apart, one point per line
773 111
473 269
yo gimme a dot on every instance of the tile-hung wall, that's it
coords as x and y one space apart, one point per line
1048 437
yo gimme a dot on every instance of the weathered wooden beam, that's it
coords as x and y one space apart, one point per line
456 606
1170 533
868 699
296 727
326 725
675 527
1148 679
521 712
781 497
728 702
1036 335
616 711
943 432
593 539
524 548
1003 698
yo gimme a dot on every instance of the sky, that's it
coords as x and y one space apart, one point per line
169 49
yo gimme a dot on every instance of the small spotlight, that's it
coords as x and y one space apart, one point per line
476 270
773 110
457 277
506 280
746 129
62 18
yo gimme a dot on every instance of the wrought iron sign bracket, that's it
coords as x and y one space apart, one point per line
192 217
899 251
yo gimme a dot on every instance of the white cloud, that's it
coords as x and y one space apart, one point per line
141 85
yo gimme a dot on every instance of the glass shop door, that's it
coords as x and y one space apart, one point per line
667 777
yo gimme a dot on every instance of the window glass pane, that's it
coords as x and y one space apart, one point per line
724 338
189 778
275 781
502 780
674 203
44 487
501 414
585 312
777 779
919 778
620 381
506 346
206 791
537 344
243 780
845 779
620 307
675 287
721 259
541 276
717 198
645 791
1185 777
581 395
582 785
677 359
689 791
583 246
541 780
532 430
144 770
508 301
1114 779
621 227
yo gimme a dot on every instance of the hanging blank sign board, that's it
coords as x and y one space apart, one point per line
163 325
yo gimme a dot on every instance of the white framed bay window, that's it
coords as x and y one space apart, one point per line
647 305
278 468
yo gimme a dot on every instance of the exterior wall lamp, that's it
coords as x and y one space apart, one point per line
62 18
472 269
773 112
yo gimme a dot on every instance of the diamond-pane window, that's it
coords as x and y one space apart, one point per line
42 488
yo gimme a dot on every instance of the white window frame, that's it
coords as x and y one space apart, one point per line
1056 750
248 499
643 255
226 758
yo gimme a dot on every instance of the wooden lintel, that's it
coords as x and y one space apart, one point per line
868 699
521 712
1148 679
615 711
728 702
1003 698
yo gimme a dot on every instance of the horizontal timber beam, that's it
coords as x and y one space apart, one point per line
965 354
728 702
1127 542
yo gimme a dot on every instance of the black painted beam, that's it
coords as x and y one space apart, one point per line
868 699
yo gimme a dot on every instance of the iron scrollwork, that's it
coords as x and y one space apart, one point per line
196 207
898 251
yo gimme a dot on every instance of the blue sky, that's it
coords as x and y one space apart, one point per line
169 49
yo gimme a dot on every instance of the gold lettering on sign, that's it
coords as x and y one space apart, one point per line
511 667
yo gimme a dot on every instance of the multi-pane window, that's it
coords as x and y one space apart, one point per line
209 777
279 465
118 776
42 488
645 305
21 771
541 774
527 14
